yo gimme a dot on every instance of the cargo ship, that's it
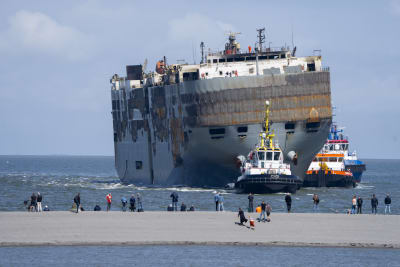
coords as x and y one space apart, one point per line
186 123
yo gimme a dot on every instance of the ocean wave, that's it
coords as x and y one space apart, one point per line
363 186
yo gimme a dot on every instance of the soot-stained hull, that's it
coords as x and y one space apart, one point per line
191 132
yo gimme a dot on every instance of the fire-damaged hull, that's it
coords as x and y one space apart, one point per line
192 132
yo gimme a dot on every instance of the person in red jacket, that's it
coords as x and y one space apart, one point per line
108 198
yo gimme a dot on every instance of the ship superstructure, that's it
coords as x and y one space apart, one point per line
186 123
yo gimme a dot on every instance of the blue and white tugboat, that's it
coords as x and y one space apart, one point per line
263 171
339 143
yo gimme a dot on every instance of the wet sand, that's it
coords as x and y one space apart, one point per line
197 228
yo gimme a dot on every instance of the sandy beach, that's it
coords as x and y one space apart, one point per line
201 228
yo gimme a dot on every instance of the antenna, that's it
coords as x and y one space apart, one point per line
202 52
292 38
261 38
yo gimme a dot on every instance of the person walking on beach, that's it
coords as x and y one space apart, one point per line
359 205
242 217
132 201
109 200
216 197
288 200
388 201
139 202
251 199
263 209
124 202
174 197
220 202
77 201
353 205
374 204
33 206
316 202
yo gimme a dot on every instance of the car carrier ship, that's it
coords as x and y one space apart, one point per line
186 123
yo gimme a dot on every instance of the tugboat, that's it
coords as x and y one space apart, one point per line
263 171
338 143
328 170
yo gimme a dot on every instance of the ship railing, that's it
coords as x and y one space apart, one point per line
324 68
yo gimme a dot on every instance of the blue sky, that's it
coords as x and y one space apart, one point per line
56 59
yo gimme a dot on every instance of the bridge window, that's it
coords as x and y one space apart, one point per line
215 60
269 155
332 159
229 59
277 155
261 155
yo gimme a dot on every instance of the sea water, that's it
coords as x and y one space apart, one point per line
59 178
196 256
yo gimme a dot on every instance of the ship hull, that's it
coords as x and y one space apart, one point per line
357 170
192 132
327 179
268 183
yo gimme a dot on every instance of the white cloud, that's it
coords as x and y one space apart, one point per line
35 32
197 27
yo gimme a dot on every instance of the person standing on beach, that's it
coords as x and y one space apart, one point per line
263 209
132 201
33 202
288 200
124 202
109 200
268 209
251 199
216 197
39 202
77 201
316 202
388 201
174 197
374 204
139 202
220 202
359 205
353 205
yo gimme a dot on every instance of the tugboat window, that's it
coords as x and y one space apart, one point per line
277 155
340 159
261 155
269 155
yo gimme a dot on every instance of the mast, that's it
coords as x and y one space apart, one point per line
267 135
202 52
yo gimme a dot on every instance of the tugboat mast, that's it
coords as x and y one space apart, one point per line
267 134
